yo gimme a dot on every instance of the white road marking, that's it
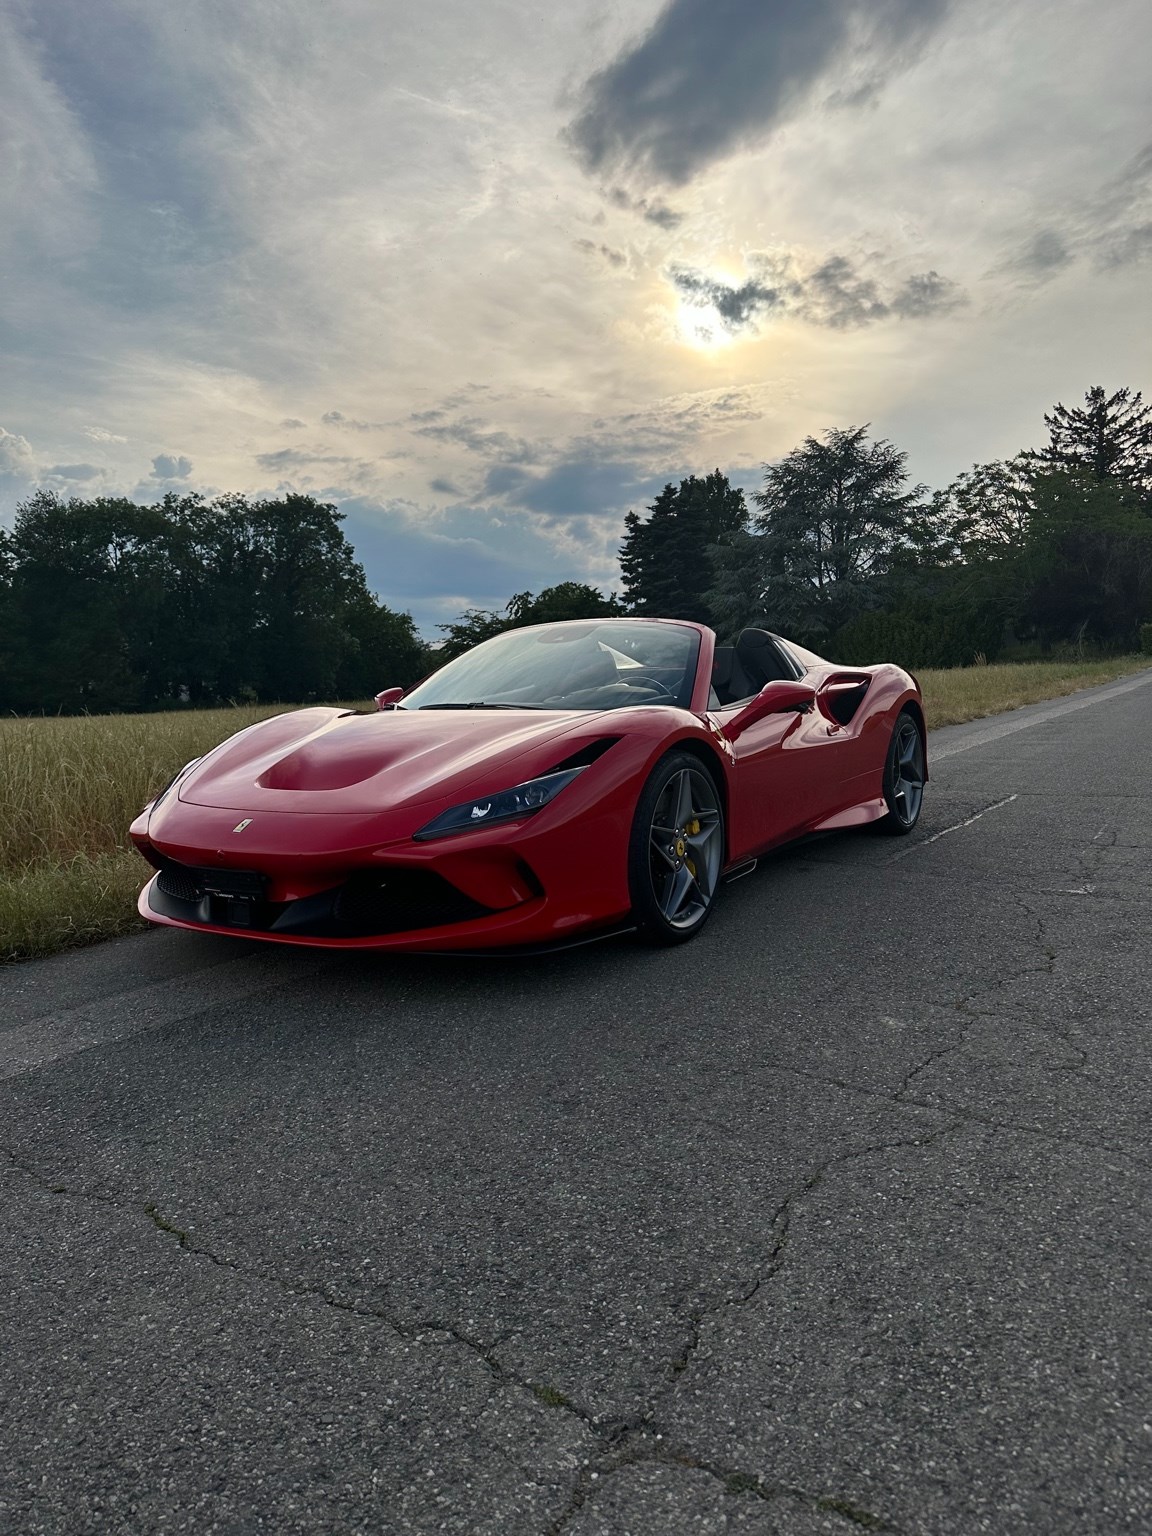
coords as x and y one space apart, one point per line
956 827
1010 724
134 1012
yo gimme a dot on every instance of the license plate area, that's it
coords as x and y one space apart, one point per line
234 884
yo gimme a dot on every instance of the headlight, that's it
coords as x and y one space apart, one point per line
175 779
509 805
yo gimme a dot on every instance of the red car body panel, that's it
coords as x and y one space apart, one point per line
308 800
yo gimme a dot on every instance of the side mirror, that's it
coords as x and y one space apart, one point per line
776 698
389 697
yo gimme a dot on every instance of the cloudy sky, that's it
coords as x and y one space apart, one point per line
489 275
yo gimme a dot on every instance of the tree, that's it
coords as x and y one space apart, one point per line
1088 564
1109 438
667 561
106 605
566 600
986 512
87 594
834 516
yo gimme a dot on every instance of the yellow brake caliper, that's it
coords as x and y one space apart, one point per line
692 829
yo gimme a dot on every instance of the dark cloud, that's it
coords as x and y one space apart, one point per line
148 109
712 75
438 564
738 307
444 487
291 423
592 486
285 459
613 258
75 471
833 293
1046 254
651 209
475 435
927 294
837 295
349 423
1109 230
171 466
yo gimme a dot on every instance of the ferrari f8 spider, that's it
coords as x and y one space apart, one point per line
555 783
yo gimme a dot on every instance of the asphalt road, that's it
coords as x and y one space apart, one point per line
835 1220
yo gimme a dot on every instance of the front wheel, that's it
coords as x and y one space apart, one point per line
904 777
676 851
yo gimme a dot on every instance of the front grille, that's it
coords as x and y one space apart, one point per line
186 883
402 899
394 900
180 882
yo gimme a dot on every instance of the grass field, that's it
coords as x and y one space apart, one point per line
69 787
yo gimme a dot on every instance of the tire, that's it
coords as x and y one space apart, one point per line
676 851
903 777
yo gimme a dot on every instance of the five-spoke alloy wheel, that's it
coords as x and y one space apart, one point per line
904 777
677 850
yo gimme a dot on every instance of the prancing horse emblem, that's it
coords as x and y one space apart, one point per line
240 825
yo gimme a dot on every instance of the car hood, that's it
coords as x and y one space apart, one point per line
333 761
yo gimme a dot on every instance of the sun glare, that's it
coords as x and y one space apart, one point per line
702 326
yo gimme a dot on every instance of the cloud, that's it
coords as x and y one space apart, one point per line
17 461
651 209
349 423
444 487
927 294
284 459
1042 257
737 306
713 75
102 435
436 564
472 433
75 471
171 466
292 423
613 258
590 486
1110 229
832 292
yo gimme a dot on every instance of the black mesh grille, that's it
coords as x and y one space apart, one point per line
180 882
402 899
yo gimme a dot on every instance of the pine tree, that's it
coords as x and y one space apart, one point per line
1109 437
667 561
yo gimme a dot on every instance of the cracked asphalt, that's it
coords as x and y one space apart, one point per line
835 1220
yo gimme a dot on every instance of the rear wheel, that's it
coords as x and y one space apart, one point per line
904 777
676 851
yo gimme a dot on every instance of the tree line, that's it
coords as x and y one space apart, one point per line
1051 547
109 605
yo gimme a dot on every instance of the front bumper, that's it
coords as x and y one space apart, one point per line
300 879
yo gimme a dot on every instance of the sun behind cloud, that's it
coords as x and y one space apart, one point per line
702 327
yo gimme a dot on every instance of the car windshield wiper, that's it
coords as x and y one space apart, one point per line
477 704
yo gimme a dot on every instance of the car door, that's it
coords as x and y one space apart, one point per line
840 695
776 780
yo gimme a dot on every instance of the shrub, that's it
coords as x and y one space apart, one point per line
923 635
1146 639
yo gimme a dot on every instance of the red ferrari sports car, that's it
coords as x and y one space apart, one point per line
555 783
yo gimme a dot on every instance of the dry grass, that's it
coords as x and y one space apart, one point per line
68 790
70 787
969 693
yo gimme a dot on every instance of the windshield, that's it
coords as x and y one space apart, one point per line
594 665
